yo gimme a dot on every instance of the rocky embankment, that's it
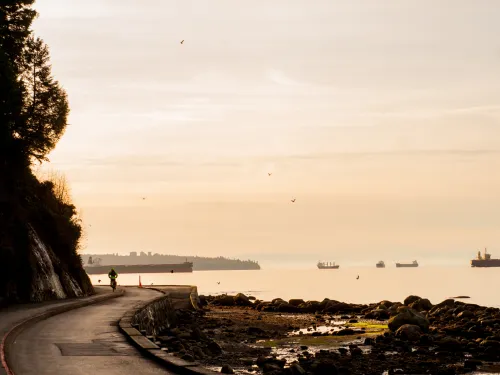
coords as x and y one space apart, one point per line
239 334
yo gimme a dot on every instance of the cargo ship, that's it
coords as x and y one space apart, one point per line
141 268
484 261
412 264
327 266
380 264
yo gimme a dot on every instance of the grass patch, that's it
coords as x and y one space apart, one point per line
368 326
323 341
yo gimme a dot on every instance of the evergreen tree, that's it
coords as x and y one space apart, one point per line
16 17
45 105
33 107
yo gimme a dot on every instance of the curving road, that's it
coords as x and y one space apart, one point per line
82 342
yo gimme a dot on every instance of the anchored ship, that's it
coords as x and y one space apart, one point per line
141 268
412 264
327 266
484 261
381 264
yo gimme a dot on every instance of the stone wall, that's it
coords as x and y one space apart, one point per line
155 316
159 314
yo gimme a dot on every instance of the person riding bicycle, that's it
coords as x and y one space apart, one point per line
113 275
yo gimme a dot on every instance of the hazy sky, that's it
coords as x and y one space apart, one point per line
381 117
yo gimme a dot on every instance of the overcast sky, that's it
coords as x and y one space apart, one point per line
382 118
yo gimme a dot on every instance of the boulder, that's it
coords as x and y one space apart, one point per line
409 332
296 302
324 367
241 300
286 307
278 301
465 314
423 304
408 316
296 369
490 343
226 369
223 300
410 299
214 348
449 343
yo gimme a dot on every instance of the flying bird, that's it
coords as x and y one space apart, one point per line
143 198
269 174
218 282
293 200
182 41
357 278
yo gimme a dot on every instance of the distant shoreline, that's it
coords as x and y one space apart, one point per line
199 263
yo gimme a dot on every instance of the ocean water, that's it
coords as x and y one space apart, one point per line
373 285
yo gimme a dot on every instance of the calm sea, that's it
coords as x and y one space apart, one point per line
373 285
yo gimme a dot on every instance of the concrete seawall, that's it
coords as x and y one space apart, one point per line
159 314
145 321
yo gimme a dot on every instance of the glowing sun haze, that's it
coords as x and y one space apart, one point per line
381 117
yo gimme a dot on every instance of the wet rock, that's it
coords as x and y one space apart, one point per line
410 299
241 300
247 361
286 307
278 301
296 369
449 343
188 357
342 351
271 368
465 314
472 364
324 367
197 334
334 307
368 341
345 332
490 343
378 314
226 369
423 304
198 352
343 371
408 316
409 332
214 348
356 351
223 300
296 302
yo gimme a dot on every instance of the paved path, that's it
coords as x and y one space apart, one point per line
82 342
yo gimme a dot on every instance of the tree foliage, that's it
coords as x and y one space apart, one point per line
33 107
33 116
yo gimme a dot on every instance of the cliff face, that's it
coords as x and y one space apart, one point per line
38 242
49 279
36 274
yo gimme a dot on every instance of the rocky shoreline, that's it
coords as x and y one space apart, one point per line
243 335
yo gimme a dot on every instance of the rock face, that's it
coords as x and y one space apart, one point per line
407 315
409 332
41 275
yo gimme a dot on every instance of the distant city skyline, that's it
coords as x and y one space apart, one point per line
381 118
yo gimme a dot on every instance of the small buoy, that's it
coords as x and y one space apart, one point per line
140 284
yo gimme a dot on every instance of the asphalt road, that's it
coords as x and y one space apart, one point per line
84 341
